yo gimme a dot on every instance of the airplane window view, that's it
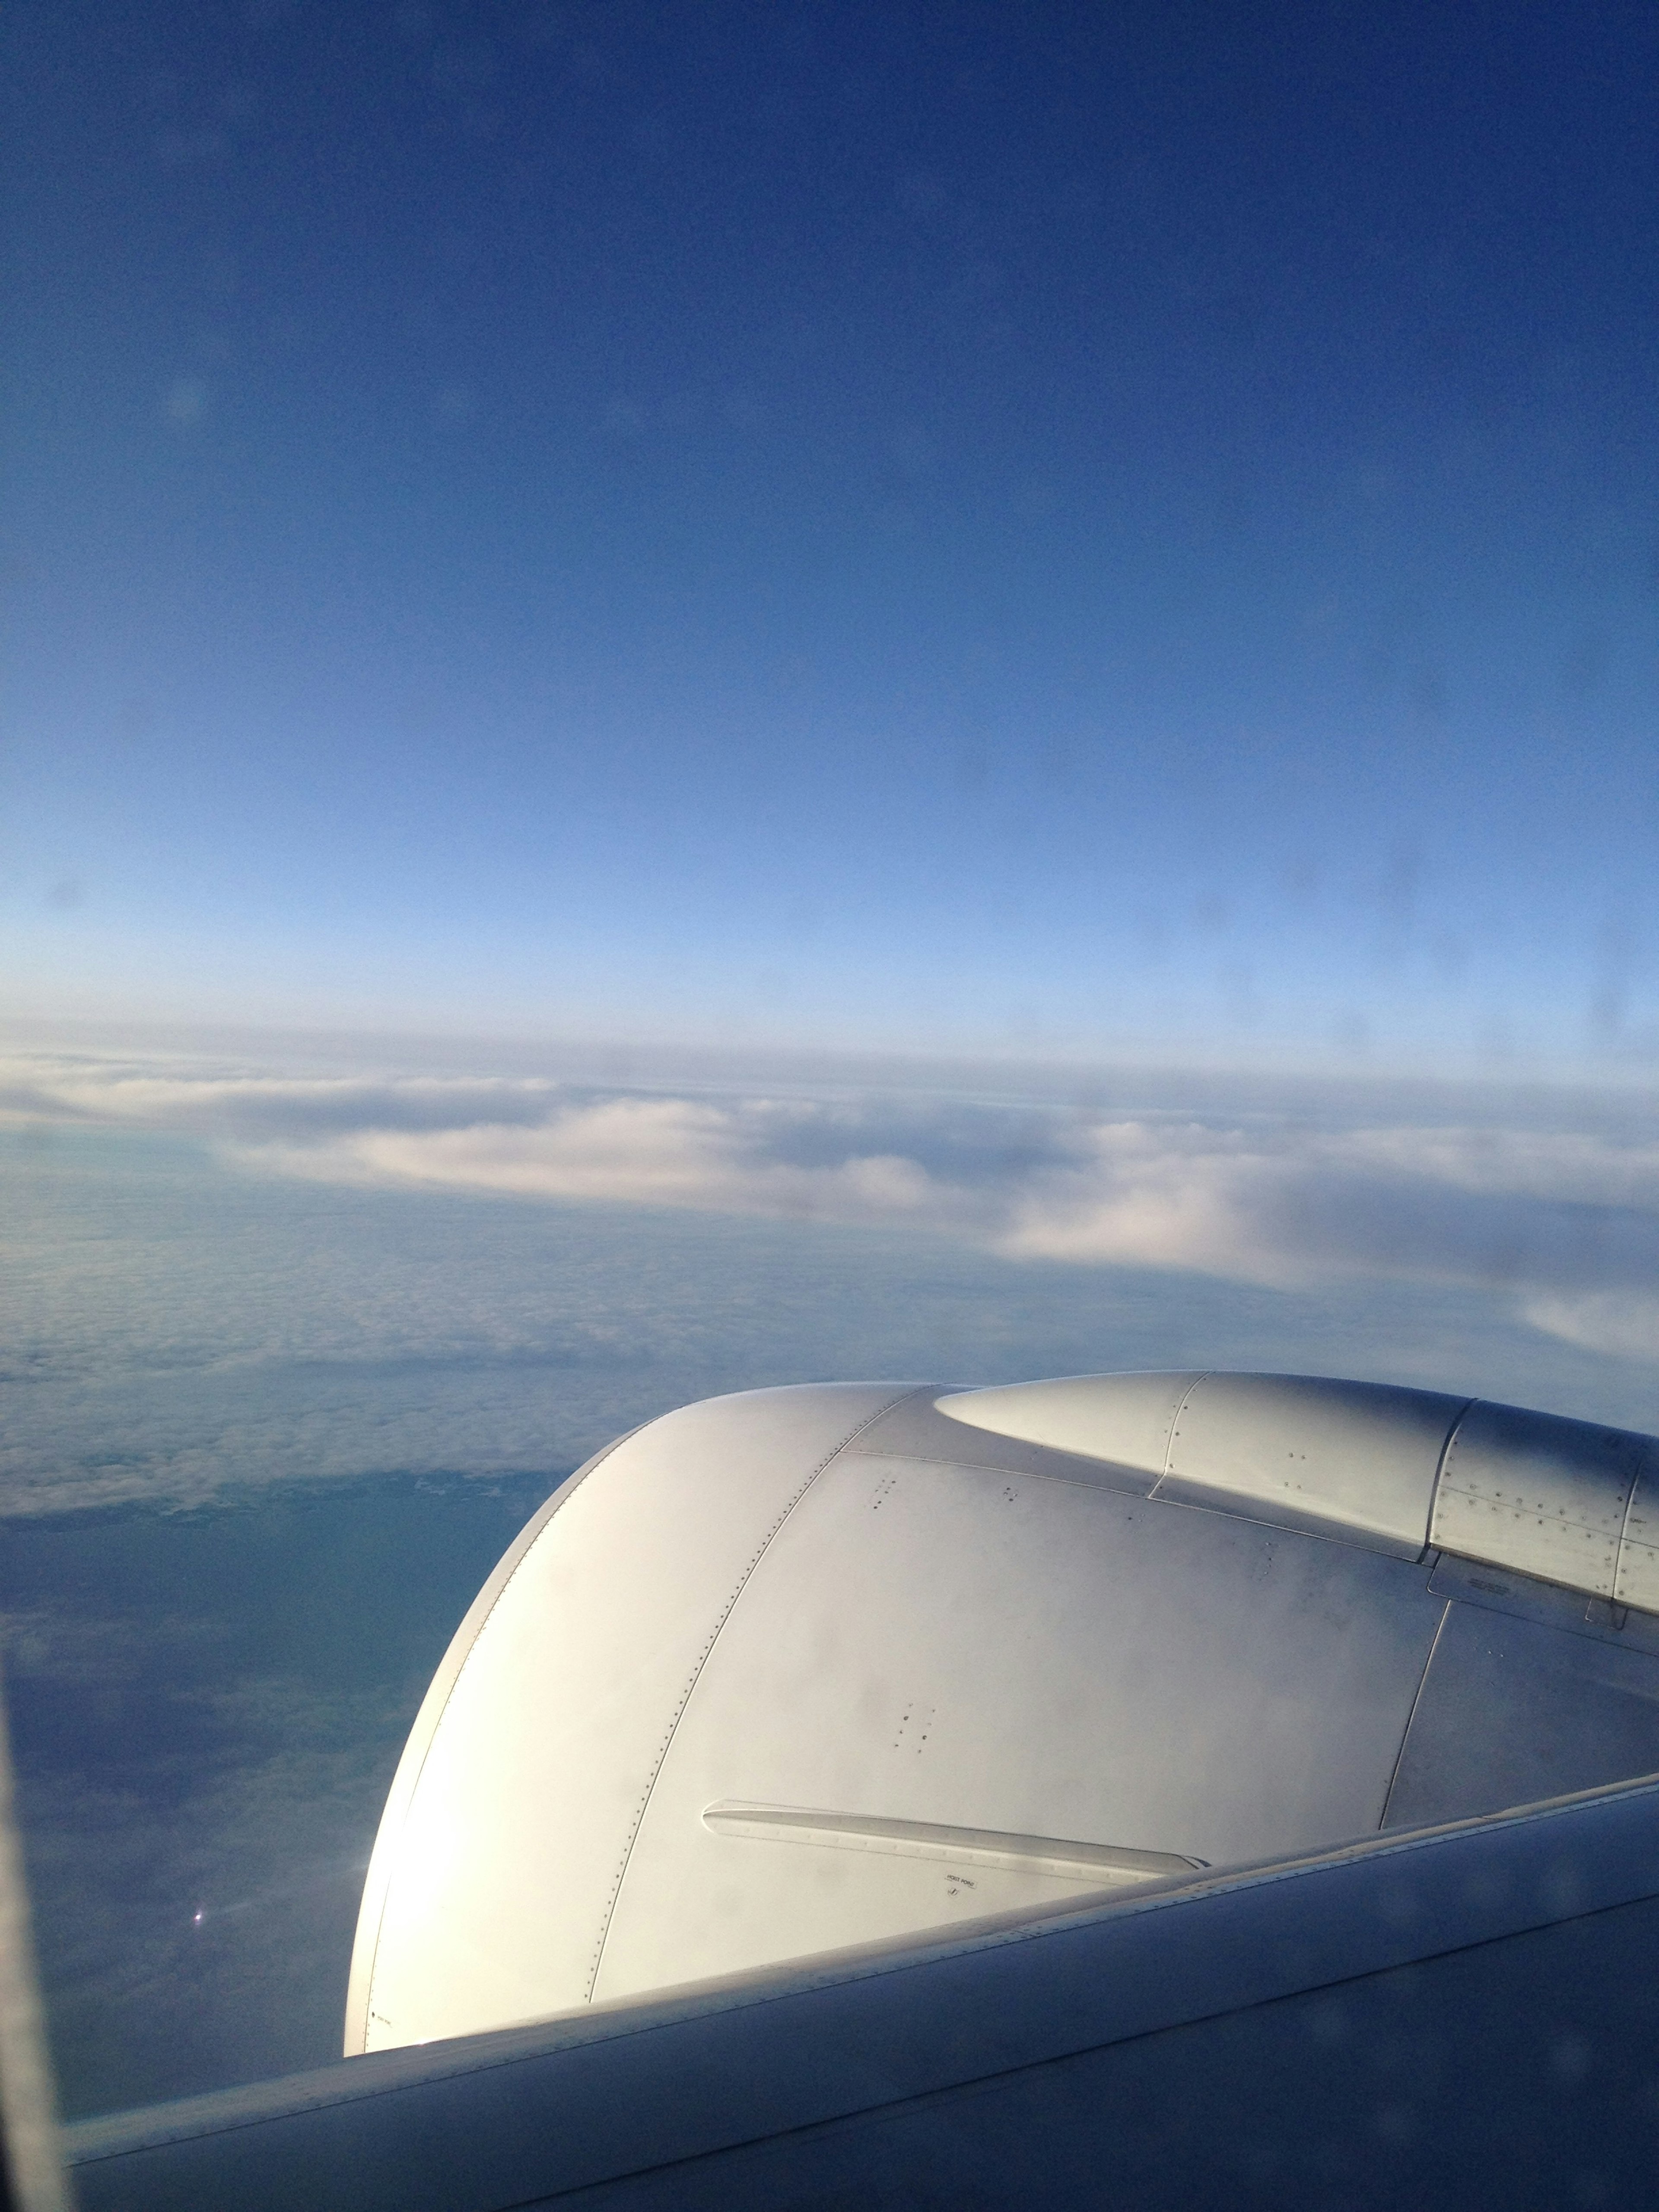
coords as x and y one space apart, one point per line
890 774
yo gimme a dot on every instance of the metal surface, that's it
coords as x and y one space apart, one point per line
1355 1458
918 1428
802 1599
1358 1460
746 1602
515 1808
1539 1493
1095 1866
1513 1710
1125 1418
1636 1582
950 1645
390 1838
1459 2019
1365 1463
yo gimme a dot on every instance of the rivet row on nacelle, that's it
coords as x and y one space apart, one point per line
1556 1499
1568 1501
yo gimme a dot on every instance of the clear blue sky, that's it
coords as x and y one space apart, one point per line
1057 528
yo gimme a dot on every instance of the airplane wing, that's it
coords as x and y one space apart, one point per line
1451 2017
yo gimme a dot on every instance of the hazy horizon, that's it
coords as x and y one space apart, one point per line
197 1234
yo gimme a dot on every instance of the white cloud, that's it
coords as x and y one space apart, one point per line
346 1272
1618 1323
648 1152
1183 1196
1563 1214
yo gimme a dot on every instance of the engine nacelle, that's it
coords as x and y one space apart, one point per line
804 1668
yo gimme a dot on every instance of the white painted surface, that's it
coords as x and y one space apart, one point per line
1125 1418
744 1693
950 1645
1095 1866
1360 1457
514 1833
1638 1580
1538 1493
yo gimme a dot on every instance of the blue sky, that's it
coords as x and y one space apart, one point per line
1098 533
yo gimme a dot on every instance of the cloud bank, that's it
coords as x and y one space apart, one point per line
1561 1209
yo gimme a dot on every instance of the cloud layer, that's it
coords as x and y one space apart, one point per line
386 1312
1558 1204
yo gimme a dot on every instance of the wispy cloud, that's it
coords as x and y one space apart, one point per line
731 1159
1293 1206
1617 1322
1565 1217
